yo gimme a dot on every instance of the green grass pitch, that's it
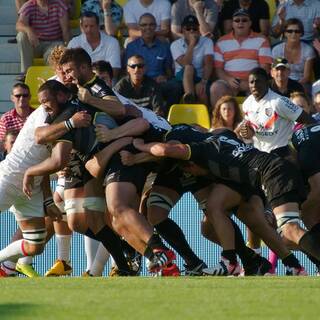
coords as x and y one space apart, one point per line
160 298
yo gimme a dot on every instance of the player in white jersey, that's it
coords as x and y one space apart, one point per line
270 115
29 213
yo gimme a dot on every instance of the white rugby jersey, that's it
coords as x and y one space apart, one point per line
272 118
25 152
149 115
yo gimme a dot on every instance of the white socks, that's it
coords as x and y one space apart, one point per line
63 245
100 261
13 251
90 247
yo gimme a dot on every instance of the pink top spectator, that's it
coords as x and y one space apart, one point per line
45 25
11 121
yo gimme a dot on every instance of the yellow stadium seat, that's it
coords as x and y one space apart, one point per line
74 21
38 62
240 100
189 114
272 8
122 2
34 78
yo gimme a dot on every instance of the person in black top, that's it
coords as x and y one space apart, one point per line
280 82
223 155
258 11
306 142
139 88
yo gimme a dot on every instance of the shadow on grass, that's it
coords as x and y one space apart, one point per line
16 310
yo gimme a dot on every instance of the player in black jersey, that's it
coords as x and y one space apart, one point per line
224 156
307 144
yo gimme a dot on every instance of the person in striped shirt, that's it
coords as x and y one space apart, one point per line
41 25
236 54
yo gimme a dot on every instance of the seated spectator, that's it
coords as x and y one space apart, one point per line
206 12
41 25
306 11
98 45
139 88
236 54
157 57
258 12
226 114
299 54
14 119
110 14
160 9
280 82
193 58
104 71
9 139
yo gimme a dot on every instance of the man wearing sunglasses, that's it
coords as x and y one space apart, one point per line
236 54
139 88
14 119
193 58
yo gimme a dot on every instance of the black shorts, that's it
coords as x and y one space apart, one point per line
309 159
180 181
117 172
78 174
282 183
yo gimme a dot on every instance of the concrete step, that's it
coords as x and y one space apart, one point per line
4 40
9 68
8 30
9 52
8 15
7 3
7 81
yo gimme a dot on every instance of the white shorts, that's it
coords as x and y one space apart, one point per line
12 197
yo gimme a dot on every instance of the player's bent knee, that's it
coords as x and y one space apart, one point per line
35 240
286 221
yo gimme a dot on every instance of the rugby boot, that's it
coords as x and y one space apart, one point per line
27 270
171 270
195 270
160 259
223 268
59 268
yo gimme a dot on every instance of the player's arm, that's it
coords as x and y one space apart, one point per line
97 164
306 118
59 158
131 128
174 150
47 134
108 104
130 159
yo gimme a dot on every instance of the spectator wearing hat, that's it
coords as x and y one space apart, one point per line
193 58
258 12
281 83
206 12
236 54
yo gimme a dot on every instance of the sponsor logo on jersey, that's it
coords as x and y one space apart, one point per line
268 112
315 128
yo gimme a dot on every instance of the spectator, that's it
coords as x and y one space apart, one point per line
104 71
110 14
236 54
139 88
281 83
14 119
9 139
160 9
258 11
307 11
54 62
41 25
157 57
193 57
206 12
99 45
299 54
226 113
